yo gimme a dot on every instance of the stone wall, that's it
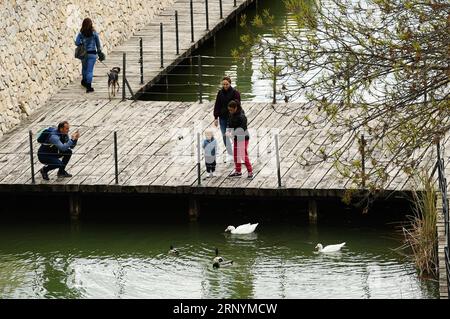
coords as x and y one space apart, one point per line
37 45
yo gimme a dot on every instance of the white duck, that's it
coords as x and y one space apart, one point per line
242 229
329 248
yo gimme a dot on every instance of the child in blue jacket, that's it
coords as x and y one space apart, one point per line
210 148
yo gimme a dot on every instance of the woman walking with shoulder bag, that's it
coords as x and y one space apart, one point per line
89 38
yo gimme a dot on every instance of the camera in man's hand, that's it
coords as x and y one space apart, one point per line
75 135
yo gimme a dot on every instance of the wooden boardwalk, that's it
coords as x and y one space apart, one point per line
157 140
157 151
150 35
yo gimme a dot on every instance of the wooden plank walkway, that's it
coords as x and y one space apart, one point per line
157 140
150 35
157 150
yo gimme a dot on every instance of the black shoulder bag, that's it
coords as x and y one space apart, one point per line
80 50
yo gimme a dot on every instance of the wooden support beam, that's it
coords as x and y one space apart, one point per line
75 206
193 209
312 211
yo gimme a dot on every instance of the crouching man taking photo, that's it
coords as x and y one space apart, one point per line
56 149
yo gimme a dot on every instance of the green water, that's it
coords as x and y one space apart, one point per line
131 261
216 62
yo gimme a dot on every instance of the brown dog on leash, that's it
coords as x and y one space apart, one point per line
113 81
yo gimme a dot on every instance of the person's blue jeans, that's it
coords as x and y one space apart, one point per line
226 140
52 161
88 67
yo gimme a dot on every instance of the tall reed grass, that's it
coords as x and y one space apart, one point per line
420 233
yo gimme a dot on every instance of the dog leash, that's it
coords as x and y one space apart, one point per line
104 64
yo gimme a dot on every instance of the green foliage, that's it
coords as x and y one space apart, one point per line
304 12
375 67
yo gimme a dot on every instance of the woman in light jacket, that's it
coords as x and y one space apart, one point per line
91 41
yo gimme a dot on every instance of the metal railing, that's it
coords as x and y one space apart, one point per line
177 40
205 74
115 151
445 208
206 13
125 82
447 266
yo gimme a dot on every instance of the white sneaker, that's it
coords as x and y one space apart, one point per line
211 175
230 158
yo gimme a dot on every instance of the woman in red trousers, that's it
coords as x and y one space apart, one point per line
237 124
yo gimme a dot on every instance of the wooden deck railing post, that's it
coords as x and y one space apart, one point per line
234 4
200 89
192 22
278 160
141 59
124 65
220 8
31 157
116 165
176 33
206 15
124 79
362 149
199 181
274 101
161 44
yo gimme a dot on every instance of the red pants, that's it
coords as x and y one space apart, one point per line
241 153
